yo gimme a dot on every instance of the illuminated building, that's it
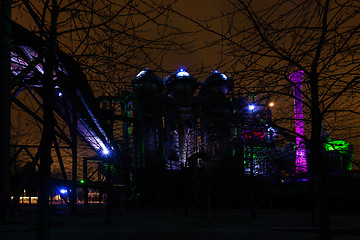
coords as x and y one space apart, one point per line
300 158
172 124
179 122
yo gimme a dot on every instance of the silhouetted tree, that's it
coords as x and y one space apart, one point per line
264 42
108 38
5 56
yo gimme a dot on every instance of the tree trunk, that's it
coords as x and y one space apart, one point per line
321 181
42 230
318 164
109 194
5 75
73 133
252 184
45 155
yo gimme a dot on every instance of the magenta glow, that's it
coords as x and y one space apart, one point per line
300 155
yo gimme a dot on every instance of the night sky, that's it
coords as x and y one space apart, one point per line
196 61
198 10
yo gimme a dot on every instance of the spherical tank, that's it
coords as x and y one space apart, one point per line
181 84
217 84
146 83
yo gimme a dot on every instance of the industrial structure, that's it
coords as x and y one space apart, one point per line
174 132
77 114
300 158
179 122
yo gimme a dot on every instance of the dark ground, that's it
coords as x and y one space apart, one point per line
168 224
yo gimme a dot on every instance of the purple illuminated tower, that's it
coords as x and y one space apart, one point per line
300 157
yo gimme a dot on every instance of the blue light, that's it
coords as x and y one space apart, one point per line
140 74
182 73
251 107
63 191
270 129
223 76
302 180
105 151
60 94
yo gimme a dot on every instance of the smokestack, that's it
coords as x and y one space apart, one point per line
300 156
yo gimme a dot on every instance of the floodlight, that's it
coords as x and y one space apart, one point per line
105 151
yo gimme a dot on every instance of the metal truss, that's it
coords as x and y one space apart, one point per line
77 113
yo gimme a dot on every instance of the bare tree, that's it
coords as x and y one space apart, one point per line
108 38
5 55
264 43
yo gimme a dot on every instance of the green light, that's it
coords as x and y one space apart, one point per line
245 162
344 148
82 181
112 168
338 145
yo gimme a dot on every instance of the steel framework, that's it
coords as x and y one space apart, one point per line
78 115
